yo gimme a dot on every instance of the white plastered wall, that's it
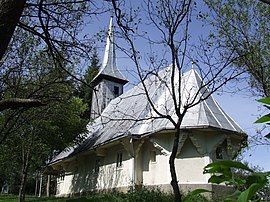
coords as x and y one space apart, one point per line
189 162
81 176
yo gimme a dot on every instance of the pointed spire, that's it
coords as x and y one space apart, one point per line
109 54
109 69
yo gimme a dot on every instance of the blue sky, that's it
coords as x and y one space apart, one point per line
241 106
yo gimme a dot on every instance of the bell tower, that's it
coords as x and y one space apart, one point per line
109 82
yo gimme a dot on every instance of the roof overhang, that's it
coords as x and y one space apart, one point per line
240 136
109 78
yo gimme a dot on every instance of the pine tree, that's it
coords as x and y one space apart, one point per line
85 92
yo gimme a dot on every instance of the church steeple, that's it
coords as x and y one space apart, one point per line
109 69
109 82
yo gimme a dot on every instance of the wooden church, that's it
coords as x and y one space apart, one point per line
127 147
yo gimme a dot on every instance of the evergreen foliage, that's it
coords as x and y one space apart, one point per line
85 92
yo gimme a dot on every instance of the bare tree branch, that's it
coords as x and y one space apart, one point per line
16 103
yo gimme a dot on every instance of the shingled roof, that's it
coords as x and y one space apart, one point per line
130 114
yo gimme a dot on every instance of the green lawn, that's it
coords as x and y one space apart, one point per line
13 198
108 197
143 195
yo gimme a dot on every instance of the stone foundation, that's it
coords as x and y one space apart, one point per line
218 191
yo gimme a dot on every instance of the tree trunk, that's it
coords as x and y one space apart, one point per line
40 186
174 182
36 187
48 185
23 181
22 186
25 159
10 13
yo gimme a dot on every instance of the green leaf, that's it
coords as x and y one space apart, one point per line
250 192
221 169
239 181
265 100
199 191
268 107
195 193
263 119
217 179
233 196
260 177
219 165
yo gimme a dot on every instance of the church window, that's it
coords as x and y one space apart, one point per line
116 91
97 165
119 159
219 154
62 176
153 156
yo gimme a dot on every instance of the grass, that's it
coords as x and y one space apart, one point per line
13 198
144 195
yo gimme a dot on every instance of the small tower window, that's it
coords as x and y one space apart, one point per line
119 159
116 91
